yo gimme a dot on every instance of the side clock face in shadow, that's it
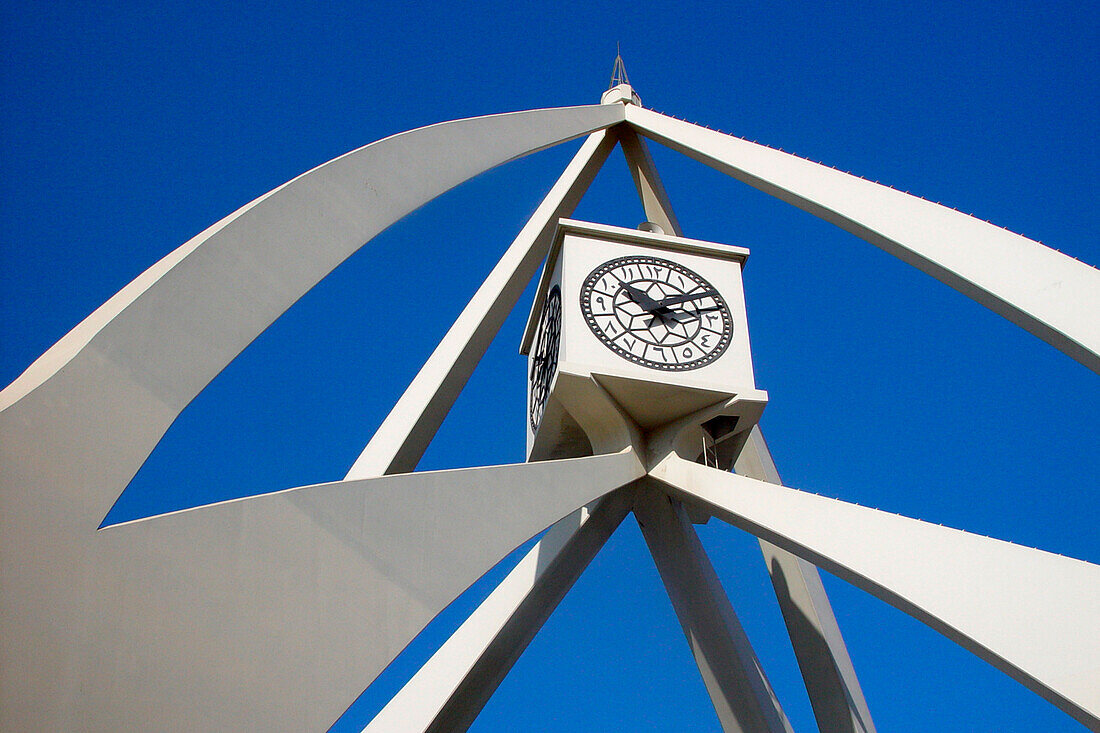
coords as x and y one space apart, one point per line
656 313
544 355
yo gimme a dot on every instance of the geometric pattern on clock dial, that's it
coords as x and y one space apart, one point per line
656 313
544 355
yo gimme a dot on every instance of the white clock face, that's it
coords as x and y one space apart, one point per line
656 313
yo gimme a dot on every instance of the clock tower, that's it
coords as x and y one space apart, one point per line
658 322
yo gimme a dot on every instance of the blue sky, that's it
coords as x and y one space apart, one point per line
127 129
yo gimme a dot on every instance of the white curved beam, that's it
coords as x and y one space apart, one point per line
1031 614
97 402
79 422
1054 297
266 613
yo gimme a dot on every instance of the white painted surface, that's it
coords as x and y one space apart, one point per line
620 93
607 232
1032 614
651 190
406 432
831 682
252 613
234 616
452 687
738 687
266 613
1054 297
583 250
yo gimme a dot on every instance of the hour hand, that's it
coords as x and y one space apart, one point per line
648 304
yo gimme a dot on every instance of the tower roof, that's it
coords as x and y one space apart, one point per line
618 72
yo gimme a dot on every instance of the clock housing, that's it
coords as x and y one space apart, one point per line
658 321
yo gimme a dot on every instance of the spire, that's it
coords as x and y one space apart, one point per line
618 73
620 89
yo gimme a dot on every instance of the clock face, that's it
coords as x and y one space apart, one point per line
544 355
656 313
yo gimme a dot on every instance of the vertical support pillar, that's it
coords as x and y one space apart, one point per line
452 687
733 676
835 694
658 208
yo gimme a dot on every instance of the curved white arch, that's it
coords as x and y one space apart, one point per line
1047 293
271 612
125 611
142 356
79 422
1032 614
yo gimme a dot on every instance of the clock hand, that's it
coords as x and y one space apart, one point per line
680 316
647 303
677 299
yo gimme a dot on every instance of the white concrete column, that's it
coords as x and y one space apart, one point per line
453 686
651 191
738 687
1031 614
827 670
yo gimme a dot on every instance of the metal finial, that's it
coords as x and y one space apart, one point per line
618 73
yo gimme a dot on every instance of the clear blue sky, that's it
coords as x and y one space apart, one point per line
128 129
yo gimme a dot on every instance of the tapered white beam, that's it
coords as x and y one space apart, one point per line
81 419
266 613
651 191
1053 296
1031 614
406 432
450 690
736 682
834 690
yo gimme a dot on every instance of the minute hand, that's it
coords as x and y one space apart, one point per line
677 299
